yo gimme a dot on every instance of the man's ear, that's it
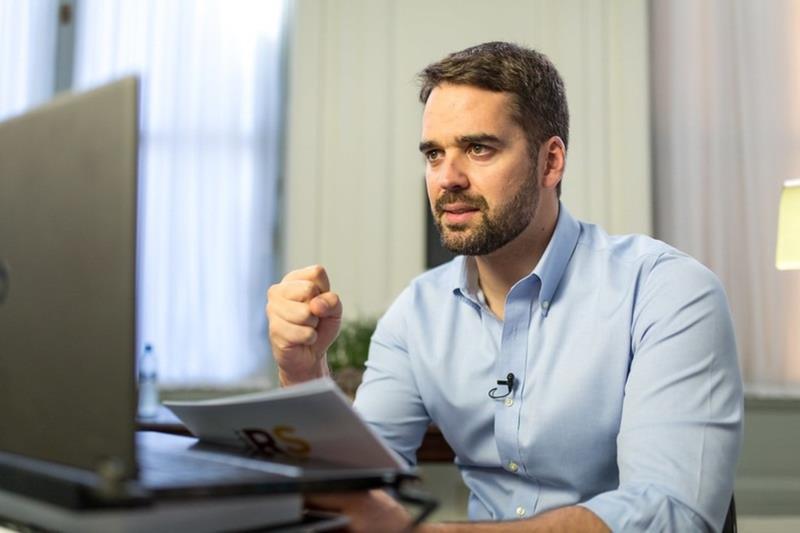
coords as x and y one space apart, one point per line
552 160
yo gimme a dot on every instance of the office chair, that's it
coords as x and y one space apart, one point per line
730 519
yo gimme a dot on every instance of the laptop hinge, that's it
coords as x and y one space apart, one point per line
70 487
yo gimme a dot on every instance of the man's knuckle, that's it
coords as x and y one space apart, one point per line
309 334
281 345
308 289
303 317
272 291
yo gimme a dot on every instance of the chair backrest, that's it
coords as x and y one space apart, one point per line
730 518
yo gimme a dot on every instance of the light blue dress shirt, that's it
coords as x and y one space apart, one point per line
628 397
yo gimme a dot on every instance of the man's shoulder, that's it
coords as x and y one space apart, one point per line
444 277
649 259
431 284
632 249
420 300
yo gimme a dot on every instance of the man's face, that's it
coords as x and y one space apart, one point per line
481 178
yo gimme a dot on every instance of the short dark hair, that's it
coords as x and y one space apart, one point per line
539 98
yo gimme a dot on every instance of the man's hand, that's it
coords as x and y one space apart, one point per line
368 511
304 319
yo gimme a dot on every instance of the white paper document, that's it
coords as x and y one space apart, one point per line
310 421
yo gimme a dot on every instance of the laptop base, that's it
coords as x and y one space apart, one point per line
198 515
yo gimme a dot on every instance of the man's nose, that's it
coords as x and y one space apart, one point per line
451 174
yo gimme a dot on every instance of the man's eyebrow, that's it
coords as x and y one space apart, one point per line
424 146
480 138
474 138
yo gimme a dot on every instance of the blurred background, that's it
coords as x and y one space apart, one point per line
277 134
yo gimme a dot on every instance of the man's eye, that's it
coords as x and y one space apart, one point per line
480 149
432 155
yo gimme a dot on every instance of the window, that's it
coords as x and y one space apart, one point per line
27 45
726 135
210 140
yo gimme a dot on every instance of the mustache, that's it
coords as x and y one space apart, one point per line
451 197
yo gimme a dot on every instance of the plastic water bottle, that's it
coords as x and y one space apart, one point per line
148 383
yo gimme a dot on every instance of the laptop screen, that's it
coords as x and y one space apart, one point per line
67 279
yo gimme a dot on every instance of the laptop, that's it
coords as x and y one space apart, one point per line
68 442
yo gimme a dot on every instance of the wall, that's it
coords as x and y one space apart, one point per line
768 477
353 184
354 180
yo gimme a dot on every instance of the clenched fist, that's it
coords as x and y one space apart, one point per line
304 319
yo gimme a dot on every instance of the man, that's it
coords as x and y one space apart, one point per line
622 406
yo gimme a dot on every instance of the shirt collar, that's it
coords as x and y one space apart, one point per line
466 278
549 270
551 267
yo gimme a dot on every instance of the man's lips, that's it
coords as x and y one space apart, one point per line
458 213
458 209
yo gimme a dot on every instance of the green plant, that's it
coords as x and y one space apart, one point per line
351 347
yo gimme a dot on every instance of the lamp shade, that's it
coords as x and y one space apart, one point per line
787 256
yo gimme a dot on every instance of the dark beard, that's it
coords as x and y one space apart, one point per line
495 230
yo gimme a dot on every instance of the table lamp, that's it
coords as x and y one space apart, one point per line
787 255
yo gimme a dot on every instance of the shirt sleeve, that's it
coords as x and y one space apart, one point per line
388 398
681 427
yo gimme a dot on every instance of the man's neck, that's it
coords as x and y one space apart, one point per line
501 269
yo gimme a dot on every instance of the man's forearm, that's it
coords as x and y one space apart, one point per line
565 519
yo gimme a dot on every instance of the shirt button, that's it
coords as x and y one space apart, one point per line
513 466
520 511
546 304
509 402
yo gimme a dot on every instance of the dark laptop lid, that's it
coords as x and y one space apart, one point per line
67 280
67 325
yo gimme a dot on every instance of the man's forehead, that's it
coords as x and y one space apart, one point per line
453 111
448 97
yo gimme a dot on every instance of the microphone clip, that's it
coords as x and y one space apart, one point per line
509 382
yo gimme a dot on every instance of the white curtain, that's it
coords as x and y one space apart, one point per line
726 115
211 85
27 54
